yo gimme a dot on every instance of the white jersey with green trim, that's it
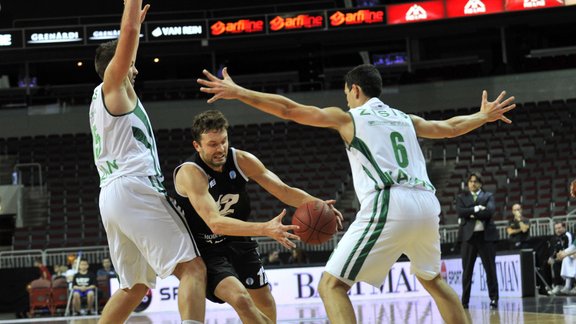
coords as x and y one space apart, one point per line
385 150
123 145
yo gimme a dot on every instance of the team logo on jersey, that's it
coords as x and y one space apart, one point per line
232 174
249 281
212 183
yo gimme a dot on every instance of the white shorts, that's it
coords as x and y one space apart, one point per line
394 222
147 236
568 268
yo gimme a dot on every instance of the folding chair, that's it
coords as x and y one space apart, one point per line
40 295
59 295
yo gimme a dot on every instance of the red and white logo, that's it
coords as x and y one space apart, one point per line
534 3
474 7
416 12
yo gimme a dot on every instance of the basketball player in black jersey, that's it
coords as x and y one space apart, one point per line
211 184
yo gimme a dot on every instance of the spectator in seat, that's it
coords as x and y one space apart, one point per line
44 272
518 228
273 259
107 270
560 242
298 256
83 285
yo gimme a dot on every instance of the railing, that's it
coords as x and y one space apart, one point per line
93 254
449 233
25 258
541 227
20 259
267 245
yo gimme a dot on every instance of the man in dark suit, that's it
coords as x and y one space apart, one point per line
477 233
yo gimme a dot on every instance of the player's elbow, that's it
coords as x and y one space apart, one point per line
216 225
131 29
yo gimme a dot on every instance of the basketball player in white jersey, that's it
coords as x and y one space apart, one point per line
390 180
146 235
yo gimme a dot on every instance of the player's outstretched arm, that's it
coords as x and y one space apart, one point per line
279 106
194 184
254 169
490 111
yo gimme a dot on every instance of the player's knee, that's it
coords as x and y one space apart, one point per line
241 300
329 284
193 269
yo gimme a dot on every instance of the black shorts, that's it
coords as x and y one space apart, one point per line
237 259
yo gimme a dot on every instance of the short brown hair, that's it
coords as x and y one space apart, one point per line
208 121
104 54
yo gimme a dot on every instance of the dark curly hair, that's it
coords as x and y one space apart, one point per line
208 121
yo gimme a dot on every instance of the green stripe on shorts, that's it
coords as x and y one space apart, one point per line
359 244
382 215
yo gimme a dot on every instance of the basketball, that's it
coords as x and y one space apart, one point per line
317 222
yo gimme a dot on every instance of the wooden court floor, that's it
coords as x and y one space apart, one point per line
543 309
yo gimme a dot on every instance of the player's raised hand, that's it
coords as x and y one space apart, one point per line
224 88
495 110
339 217
278 231
144 12
573 188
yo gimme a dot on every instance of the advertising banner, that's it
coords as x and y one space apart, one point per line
237 26
463 8
338 19
51 36
10 39
415 12
176 30
297 286
513 5
296 22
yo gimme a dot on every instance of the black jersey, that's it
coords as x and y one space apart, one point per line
228 188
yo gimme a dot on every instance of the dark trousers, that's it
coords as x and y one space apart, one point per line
470 250
557 279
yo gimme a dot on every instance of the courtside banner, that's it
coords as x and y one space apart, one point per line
463 8
415 12
508 271
338 19
291 286
296 22
513 5
237 26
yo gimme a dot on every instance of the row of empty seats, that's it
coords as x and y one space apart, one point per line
528 162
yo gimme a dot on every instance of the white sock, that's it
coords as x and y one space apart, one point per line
191 322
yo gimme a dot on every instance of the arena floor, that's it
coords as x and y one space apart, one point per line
406 310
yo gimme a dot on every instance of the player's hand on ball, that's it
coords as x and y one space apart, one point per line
339 217
278 231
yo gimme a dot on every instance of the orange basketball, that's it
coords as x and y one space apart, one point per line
317 222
